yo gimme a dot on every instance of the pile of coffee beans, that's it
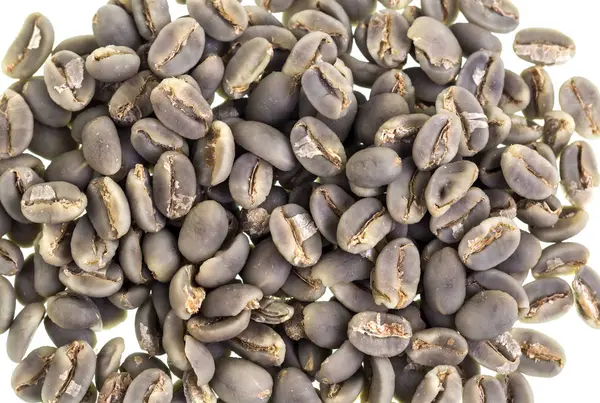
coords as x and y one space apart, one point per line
421 208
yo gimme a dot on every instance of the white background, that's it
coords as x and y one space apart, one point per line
577 18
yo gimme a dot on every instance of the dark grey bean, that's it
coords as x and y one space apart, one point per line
578 173
455 179
98 284
29 375
444 281
259 15
489 244
443 11
301 285
226 263
382 377
501 354
131 101
250 180
242 381
24 283
173 332
230 300
24 235
437 346
209 74
194 242
515 94
496 17
311 20
130 257
356 297
252 136
386 38
586 287
210 330
377 111
272 311
184 296
398 82
147 329
78 361
549 299
259 343
68 82
246 67
379 334
80 44
396 275
111 315
406 194
487 315
222 20
578 98
327 204
523 131
340 365
215 154
483 387
344 392
113 63
483 76
327 90
499 125
571 221
130 296
374 167
139 193
61 308
150 16
18 125
150 138
516 387
152 385
23 329
561 259
136 363
112 25
292 385
497 280
437 50
311 47
108 208
559 126
101 146
161 254
473 38
200 359
13 184
115 387
542 92
363 225
53 203
50 142
528 173
29 50
465 214
174 184
437 141
325 323
543 46
462 103
442 384
542 355
539 213
502 203
70 167
43 108
7 304
109 359
266 268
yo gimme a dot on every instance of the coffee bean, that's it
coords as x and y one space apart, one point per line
222 20
23 329
542 356
68 82
542 92
516 387
29 375
455 179
131 101
487 315
501 354
241 380
543 46
292 385
379 334
325 323
152 384
528 173
549 299
571 221
515 94
473 38
112 25
115 387
52 203
363 225
483 386
442 383
501 18
346 391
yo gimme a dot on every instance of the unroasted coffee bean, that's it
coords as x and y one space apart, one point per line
327 204
346 391
76 359
483 76
246 67
340 365
161 254
260 344
487 315
406 195
455 179
43 108
272 311
395 81
539 213
293 385
61 306
483 387
443 11
185 297
497 280
327 90
131 101
23 329
462 103
523 131
152 384
173 331
311 20
226 264
50 142
561 259
516 387
68 82
17 125
252 136
8 304
363 225
395 278
496 17
515 94
53 203
29 375
210 330
325 323
223 20
579 173
528 173
375 112
150 16
373 167
586 288
444 281
112 25
473 38
136 363
301 285
230 300
108 208
150 138
379 334
147 329
112 63
174 184
543 46
549 299
115 387
357 297
101 145
542 356
501 354
437 141
30 48
442 384
571 221
203 231
578 97
386 38
109 360
437 346
250 180
139 193
241 380
13 184
542 92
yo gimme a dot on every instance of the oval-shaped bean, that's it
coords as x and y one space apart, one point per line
549 299
152 385
560 259
161 254
259 343
174 184
327 204
379 334
473 38
53 203
68 82
250 180
101 146
373 167
442 384
23 329
109 360
578 97
230 300
487 315
112 63
313 46
325 323
246 67
437 346
542 92
448 184
241 380
131 101
253 135
483 387
150 16
395 278
62 305
543 46
224 20
317 147
586 288
29 375
17 124
444 281
483 76
29 50
501 354
571 221
437 141
377 111
541 356
516 387
501 18
112 25
210 330
579 173
363 225
205 218
108 208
